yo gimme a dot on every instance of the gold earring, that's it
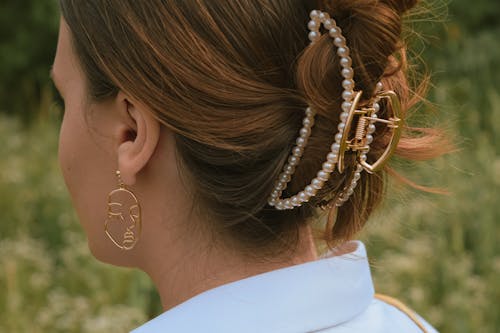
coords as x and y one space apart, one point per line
123 224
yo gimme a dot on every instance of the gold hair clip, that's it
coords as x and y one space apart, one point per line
361 140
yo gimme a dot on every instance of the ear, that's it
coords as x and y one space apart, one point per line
138 138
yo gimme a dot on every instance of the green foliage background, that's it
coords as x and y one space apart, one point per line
439 254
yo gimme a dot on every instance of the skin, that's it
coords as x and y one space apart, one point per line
122 134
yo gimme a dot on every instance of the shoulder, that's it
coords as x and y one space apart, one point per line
387 315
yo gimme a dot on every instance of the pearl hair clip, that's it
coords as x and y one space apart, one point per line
360 142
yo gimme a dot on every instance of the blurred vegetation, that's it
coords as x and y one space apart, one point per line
28 37
439 254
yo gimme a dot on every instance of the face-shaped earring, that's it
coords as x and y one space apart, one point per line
123 223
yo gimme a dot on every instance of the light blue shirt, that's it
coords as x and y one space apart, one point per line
330 295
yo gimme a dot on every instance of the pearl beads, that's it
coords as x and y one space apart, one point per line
317 19
289 169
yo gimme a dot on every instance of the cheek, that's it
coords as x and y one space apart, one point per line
87 171
64 150
75 153
67 146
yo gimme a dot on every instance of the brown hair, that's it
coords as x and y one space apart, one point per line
232 80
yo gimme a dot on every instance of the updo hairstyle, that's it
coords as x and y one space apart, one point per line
232 79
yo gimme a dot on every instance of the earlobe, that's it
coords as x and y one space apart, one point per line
135 151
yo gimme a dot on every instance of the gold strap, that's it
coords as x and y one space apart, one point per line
403 308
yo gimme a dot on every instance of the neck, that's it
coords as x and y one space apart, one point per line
181 277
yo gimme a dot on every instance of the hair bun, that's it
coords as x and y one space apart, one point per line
373 31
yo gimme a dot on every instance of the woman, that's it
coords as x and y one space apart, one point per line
202 141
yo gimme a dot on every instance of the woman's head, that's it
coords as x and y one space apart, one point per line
219 89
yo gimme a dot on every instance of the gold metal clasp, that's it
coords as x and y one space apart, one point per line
359 141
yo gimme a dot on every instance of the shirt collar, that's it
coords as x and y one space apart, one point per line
301 298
